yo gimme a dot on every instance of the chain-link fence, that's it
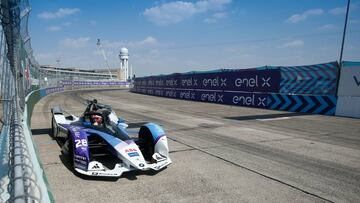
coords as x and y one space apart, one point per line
7 93
20 176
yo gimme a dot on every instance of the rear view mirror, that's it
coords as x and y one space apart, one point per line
121 120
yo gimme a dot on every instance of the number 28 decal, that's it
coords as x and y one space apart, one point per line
81 143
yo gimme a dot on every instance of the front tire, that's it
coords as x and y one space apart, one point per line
54 128
147 147
71 152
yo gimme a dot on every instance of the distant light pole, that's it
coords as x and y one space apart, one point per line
342 47
344 33
104 55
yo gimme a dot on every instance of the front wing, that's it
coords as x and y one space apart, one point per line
96 168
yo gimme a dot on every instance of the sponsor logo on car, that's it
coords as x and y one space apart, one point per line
80 161
130 150
132 154
82 167
96 166
80 157
103 174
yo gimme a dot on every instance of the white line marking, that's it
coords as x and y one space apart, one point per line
273 119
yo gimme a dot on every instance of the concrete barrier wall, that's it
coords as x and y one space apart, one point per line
348 106
349 90
308 89
349 84
30 102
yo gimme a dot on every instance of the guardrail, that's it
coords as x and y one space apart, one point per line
24 182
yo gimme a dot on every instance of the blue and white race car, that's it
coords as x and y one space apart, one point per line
99 144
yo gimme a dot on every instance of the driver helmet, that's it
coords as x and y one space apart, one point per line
97 120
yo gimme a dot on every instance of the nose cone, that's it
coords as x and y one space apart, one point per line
133 156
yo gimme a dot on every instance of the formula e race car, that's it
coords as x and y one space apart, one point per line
98 142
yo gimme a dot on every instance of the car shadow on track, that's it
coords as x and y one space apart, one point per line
41 131
265 116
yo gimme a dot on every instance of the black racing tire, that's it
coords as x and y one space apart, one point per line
71 152
54 129
147 143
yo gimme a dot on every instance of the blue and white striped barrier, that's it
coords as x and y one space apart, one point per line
316 104
320 79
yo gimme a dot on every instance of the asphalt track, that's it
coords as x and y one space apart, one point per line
220 154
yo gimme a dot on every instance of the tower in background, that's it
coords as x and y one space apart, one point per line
124 63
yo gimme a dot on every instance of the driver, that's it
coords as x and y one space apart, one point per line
97 120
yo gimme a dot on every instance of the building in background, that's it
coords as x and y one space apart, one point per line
124 73
74 73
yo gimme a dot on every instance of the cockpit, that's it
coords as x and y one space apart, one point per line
99 120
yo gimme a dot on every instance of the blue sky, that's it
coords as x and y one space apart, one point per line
179 36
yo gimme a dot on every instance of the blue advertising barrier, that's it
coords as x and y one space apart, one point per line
49 90
241 80
93 83
319 79
258 100
307 89
317 104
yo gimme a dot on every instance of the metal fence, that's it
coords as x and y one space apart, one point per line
19 182
7 93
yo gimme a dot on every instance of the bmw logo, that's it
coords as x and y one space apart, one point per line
141 165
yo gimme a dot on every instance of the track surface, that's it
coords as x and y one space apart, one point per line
219 153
